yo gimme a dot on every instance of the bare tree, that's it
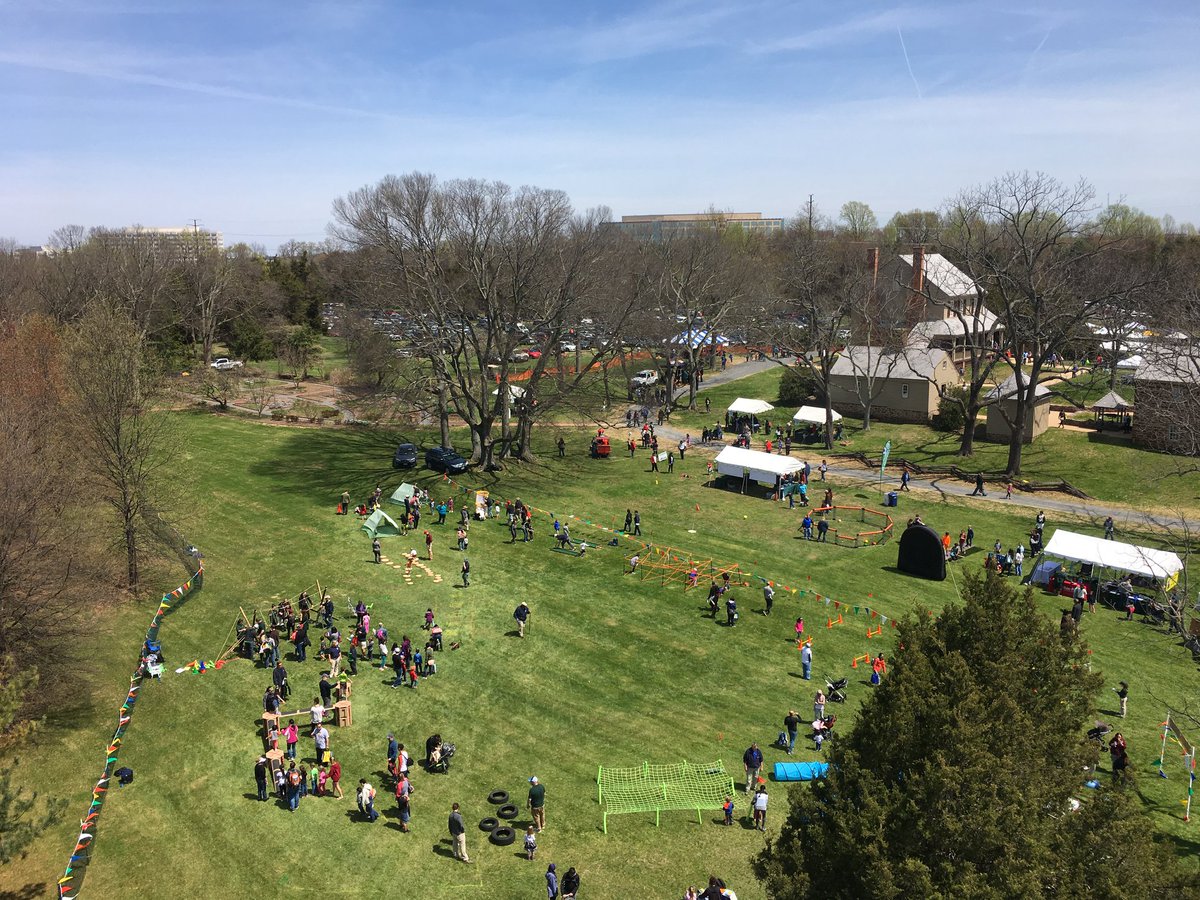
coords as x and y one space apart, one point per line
470 261
857 220
120 438
141 276
1033 250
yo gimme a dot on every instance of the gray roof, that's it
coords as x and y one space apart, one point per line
878 362
944 275
1182 367
1009 389
1112 400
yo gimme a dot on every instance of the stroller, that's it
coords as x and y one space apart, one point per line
438 755
1097 734
835 691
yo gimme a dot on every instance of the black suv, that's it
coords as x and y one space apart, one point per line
443 459
405 457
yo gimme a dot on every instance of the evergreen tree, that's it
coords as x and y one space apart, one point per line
955 780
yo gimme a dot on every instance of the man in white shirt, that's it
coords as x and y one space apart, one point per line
760 808
316 714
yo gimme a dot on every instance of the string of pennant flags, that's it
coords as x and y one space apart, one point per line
683 557
72 880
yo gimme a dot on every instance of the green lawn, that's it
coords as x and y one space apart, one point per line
615 670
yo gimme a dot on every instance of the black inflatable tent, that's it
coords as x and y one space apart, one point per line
921 553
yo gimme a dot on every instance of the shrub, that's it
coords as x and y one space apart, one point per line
950 415
796 387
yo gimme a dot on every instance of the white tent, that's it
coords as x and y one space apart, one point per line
1116 555
764 468
1132 362
515 392
698 338
749 407
815 414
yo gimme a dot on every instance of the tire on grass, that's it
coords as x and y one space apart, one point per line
508 811
491 823
498 798
503 836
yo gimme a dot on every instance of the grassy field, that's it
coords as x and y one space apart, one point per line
615 670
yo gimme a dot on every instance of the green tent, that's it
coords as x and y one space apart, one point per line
380 524
403 492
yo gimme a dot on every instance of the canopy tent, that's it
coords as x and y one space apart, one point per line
1132 362
748 407
814 414
765 468
1160 564
380 524
402 493
515 392
698 338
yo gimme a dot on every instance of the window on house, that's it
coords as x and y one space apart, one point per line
904 391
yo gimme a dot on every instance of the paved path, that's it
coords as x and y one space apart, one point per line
945 485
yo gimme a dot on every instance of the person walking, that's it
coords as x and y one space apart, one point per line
280 680
321 744
404 801
760 808
752 761
637 523
458 834
521 614
335 776
377 551
537 803
904 479
345 510
628 521
366 800
878 669
819 705
791 724
562 448
1120 757
979 491
823 469
261 770
428 546
393 756
1109 528
731 613
466 572
1122 693
806 661
807 525
551 882
769 597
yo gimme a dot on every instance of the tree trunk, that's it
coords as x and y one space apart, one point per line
443 410
967 446
1016 442
1112 374
131 551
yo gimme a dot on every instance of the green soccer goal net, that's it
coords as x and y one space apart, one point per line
653 788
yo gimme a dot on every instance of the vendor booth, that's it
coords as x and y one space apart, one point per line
748 466
1113 571
744 412
814 415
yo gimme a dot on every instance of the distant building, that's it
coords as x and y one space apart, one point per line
1003 410
901 385
664 227
1168 401
180 242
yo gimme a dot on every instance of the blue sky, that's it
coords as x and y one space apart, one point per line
253 116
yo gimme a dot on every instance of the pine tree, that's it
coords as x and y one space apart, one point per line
956 778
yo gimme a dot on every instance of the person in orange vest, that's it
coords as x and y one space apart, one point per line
878 668
946 544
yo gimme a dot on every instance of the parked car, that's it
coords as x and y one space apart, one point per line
535 354
405 457
644 378
224 364
566 347
444 459
519 356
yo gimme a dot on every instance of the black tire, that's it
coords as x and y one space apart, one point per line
491 823
498 798
508 811
503 836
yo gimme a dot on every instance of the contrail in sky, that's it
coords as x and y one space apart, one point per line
909 64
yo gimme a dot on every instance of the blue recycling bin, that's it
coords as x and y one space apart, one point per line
893 499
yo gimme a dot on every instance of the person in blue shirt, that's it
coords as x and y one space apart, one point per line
752 761
808 527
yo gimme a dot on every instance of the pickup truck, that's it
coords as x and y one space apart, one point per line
224 364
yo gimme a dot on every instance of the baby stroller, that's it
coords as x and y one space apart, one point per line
835 691
1097 734
439 754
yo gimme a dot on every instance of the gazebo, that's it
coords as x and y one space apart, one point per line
1115 407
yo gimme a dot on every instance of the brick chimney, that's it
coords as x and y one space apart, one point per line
918 265
873 263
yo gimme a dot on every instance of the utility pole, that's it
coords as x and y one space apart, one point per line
810 213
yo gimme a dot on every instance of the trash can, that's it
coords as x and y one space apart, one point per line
893 499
